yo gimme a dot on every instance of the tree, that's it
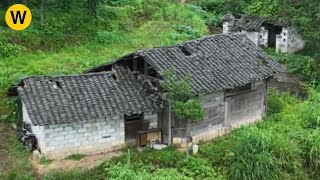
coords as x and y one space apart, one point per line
183 100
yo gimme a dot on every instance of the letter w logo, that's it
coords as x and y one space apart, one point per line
18 16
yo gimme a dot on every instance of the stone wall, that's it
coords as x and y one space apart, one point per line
59 141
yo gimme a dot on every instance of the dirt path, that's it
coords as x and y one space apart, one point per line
65 165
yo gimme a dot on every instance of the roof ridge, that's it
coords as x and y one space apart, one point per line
190 41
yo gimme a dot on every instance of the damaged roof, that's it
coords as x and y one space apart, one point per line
84 98
250 23
215 63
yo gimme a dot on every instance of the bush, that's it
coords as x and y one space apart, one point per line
278 101
108 37
166 158
198 169
8 49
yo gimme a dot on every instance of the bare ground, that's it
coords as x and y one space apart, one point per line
66 164
287 82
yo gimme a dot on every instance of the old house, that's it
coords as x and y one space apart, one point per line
121 103
264 32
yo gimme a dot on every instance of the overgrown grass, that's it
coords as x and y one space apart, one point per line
76 59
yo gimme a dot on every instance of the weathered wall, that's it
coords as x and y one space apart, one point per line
263 37
153 118
253 36
240 108
289 41
247 105
225 27
59 141
214 117
214 108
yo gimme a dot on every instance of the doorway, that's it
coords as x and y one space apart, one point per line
133 123
272 35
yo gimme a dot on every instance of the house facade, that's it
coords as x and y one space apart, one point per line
264 32
121 103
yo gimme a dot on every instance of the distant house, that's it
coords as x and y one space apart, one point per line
264 32
121 103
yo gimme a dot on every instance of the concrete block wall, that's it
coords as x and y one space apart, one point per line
59 141
253 36
289 41
225 27
263 37
248 105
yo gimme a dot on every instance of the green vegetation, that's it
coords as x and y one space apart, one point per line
183 101
280 147
76 157
68 37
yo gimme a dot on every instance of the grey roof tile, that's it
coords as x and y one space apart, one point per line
216 62
83 98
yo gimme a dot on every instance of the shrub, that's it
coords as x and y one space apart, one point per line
198 169
165 158
8 49
108 37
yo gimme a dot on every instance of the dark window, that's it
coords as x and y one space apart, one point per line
284 40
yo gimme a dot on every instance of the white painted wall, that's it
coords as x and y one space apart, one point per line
225 27
59 141
102 135
289 41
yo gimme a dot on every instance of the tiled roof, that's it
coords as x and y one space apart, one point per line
83 98
250 23
215 63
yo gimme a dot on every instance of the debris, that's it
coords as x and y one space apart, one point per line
195 149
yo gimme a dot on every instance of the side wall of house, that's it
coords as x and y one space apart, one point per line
225 111
289 41
59 141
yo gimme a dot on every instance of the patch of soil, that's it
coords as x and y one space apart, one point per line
288 82
6 160
87 162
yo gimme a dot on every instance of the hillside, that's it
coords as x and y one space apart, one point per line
68 37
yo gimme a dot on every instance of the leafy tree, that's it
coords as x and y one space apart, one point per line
183 100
